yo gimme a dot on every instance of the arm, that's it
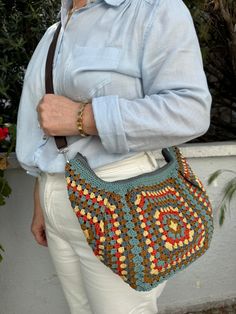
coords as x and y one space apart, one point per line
177 102
38 224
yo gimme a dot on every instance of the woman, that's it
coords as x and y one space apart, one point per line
138 65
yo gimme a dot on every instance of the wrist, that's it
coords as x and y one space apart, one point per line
89 125
80 122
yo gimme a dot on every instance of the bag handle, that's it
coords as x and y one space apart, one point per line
61 141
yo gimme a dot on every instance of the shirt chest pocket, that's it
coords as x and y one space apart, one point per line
89 70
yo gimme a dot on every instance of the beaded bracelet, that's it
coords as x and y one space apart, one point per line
80 121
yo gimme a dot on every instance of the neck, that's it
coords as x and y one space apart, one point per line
79 3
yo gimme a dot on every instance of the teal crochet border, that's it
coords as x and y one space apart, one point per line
80 165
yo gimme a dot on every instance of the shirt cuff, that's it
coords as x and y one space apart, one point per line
109 124
33 173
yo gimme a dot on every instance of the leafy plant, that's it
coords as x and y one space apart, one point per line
215 22
229 191
1 249
7 144
5 189
22 25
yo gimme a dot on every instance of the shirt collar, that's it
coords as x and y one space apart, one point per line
115 3
65 5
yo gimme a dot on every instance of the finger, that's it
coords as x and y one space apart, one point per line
39 121
39 104
38 116
41 238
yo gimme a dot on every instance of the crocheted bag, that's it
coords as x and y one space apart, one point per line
145 228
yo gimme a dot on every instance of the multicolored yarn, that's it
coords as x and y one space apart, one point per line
146 228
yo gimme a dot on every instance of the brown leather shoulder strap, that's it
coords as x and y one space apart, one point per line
60 140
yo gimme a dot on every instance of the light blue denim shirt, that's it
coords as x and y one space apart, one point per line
138 62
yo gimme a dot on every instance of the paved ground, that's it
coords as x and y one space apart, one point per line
221 307
230 309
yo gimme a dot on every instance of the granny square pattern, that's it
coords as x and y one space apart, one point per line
145 228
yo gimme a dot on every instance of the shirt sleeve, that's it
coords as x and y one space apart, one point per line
29 135
176 104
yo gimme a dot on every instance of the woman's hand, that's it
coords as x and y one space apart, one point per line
57 116
38 224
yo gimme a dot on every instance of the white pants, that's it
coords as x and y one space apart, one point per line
89 286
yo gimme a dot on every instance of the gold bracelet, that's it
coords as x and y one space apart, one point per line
80 120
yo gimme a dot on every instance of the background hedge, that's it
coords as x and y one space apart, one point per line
23 23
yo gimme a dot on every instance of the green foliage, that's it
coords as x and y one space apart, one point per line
214 176
229 191
1 249
22 25
5 189
215 22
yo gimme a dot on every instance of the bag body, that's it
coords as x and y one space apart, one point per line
145 228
